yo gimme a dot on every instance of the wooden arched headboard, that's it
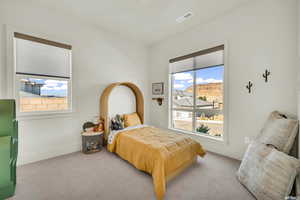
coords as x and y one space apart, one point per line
104 110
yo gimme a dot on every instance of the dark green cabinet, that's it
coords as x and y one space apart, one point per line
8 147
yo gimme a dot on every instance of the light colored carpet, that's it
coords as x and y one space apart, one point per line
104 176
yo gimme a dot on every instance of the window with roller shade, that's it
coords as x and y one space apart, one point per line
43 74
197 92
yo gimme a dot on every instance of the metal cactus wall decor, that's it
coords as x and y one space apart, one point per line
266 74
249 86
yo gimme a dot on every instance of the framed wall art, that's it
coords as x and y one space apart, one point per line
158 88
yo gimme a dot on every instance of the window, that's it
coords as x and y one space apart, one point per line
197 94
43 75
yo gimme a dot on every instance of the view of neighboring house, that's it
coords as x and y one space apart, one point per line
208 96
208 103
31 87
37 95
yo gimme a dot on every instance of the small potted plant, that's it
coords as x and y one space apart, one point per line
203 129
88 127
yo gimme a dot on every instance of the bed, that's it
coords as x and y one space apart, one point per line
161 153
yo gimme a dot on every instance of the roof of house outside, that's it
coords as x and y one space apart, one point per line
182 93
186 100
27 82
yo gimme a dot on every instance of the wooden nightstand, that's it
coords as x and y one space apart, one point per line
92 142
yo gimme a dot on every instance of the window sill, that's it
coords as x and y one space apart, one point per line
198 135
43 115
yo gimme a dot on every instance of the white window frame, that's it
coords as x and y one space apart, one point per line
225 137
13 79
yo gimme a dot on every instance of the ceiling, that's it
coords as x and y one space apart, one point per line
148 21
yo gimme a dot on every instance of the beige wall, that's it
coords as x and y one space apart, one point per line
99 58
258 35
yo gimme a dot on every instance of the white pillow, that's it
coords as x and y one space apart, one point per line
279 132
267 173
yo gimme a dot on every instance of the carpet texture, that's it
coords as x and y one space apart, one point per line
105 176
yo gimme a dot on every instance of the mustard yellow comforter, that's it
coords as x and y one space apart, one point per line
155 151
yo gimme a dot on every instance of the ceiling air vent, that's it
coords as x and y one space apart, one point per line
184 17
